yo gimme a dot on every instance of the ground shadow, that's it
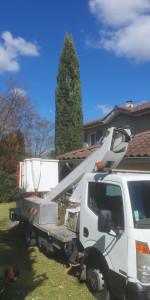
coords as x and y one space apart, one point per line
60 257
14 253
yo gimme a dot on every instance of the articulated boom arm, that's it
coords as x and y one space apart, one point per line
110 153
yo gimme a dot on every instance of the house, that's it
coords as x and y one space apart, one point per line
138 153
137 117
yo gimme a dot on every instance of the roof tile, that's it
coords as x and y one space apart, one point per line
134 109
93 122
138 147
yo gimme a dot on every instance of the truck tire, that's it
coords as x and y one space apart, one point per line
96 282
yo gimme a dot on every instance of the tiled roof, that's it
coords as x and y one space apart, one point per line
138 108
94 122
138 147
78 154
133 110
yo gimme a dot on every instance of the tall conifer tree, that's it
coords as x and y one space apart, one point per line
68 99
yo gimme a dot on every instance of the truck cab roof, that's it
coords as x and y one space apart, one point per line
118 176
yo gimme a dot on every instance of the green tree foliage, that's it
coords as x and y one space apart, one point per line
21 145
12 150
8 187
52 155
68 99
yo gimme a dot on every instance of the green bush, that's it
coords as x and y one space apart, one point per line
8 187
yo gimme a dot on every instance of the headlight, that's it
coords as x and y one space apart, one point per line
143 262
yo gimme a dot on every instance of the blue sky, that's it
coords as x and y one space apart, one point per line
112 40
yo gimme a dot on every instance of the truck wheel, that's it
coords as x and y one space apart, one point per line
29 240
97 283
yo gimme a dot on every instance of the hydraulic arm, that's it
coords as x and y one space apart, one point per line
110 152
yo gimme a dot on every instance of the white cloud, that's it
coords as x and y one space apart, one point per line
105 109
11 48
126 27
116 12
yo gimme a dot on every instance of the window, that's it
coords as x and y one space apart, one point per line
98 136
108 197
85 140
140 201
93 139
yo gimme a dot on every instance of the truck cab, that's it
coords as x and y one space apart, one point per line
115 233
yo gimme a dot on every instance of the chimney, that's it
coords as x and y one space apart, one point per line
129 103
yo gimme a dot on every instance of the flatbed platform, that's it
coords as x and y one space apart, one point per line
60 232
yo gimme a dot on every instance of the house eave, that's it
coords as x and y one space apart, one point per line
79 160
110 116
71 161
137 158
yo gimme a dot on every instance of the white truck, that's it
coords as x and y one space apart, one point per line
107 224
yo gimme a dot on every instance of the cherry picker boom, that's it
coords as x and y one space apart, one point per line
110 152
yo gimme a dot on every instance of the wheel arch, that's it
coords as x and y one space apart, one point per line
97 258
104 258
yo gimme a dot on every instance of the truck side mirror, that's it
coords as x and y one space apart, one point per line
104 220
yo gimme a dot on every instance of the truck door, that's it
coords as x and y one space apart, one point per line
113 246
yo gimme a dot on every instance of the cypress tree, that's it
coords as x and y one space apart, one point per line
68 100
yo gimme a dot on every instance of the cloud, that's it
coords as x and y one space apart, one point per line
11 48
126 27
105 109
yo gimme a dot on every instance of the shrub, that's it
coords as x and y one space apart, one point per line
8 187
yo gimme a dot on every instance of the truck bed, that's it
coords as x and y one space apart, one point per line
62 233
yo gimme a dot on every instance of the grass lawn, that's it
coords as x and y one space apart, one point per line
42 276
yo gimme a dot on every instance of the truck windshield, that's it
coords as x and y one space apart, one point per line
140 200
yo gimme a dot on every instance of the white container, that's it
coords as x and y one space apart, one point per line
38 175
